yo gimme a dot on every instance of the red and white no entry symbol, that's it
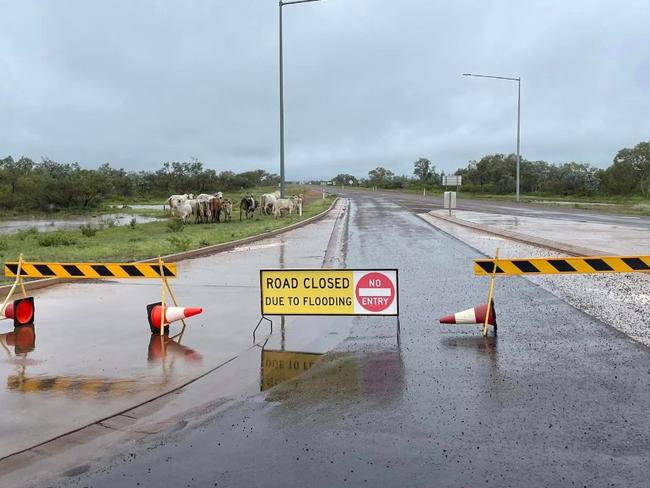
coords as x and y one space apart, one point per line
375 292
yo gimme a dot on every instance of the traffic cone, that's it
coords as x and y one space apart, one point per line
171 314
474 315
21 310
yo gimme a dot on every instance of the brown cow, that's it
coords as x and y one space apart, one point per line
215 207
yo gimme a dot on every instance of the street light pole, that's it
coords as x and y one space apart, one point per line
518 80
280 5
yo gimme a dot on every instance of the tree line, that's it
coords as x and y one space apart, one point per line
628 175
48 185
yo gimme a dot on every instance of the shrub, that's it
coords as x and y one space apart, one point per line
57 238
175 225
204 242
32 231
132 223
179 243
3 245
88 230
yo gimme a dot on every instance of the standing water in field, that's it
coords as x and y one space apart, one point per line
43 225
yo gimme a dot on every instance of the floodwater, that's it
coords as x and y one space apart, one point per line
90 353
43 225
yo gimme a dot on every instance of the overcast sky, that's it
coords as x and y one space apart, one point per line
367 82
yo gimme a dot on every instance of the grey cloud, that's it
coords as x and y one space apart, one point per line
367 82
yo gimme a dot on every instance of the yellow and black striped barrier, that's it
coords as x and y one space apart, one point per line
90 270
574 265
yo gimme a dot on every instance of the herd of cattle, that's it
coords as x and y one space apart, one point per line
206 208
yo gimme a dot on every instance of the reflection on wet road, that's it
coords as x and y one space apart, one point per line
280 366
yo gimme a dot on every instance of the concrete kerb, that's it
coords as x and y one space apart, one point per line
195 253
516 236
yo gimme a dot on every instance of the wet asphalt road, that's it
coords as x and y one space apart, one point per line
557 399
422 204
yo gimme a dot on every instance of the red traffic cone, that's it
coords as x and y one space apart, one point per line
171 314
474 315
22 311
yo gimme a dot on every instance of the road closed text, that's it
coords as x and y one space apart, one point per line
329 292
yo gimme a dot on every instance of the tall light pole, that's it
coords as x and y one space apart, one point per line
518 80
282 4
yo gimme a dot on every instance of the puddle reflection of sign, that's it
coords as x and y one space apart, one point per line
329 292
280 366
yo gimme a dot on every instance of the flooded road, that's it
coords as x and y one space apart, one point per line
557 399
93 354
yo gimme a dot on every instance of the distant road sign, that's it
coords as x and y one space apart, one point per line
329 292
452 180
449 200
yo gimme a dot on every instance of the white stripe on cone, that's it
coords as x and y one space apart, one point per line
474 315
172 314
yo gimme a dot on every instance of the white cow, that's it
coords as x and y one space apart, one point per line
267 203
174 201
277 194
183 209
283 204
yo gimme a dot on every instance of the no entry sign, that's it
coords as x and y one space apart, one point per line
329 292
374 292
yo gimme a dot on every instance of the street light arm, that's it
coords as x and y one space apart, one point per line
282 4
489 76
518 80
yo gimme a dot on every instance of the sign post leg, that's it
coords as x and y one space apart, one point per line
258 325
399 330
490 293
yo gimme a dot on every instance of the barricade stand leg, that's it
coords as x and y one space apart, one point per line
17 281
490 294
162 302
169 290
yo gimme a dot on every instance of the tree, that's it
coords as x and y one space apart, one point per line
380 176
635 163
344 179
422 169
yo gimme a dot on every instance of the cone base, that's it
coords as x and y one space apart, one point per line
21 311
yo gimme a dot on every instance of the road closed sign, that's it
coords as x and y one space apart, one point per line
329 292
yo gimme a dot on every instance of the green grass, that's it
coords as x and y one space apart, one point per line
143 240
